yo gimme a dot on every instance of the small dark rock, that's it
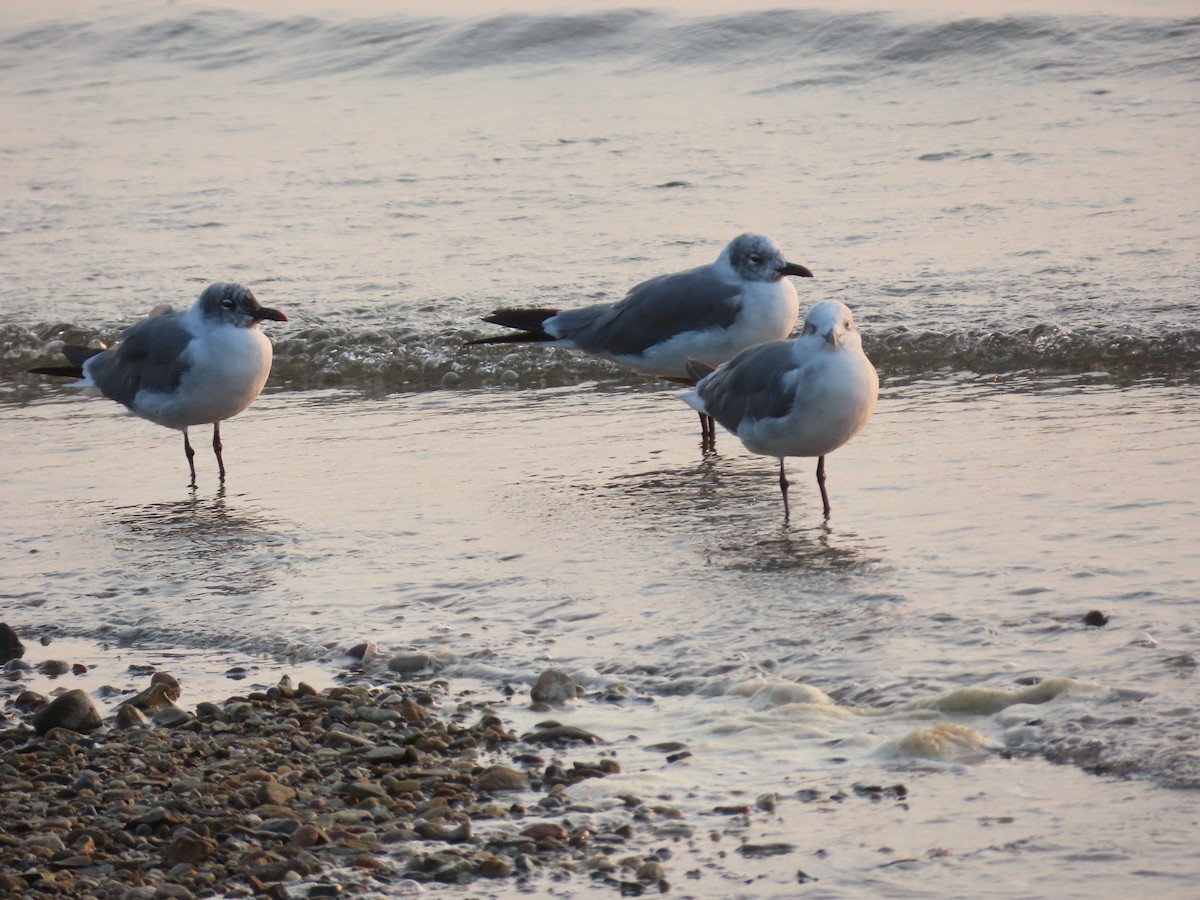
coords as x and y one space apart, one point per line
553 686
54 667
73 710
364 650
168 679
501 778
758 851
560 733
410 663
28 701
189 848
10 645
1095 619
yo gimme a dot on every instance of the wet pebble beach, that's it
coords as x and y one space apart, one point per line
387 784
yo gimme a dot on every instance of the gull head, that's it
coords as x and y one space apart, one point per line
755 257
830 325
234 304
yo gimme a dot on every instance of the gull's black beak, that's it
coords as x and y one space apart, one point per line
793 269
264 312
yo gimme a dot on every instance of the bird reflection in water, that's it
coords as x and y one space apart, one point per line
712 501
203 544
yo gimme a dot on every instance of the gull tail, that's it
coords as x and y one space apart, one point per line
77 356
528 322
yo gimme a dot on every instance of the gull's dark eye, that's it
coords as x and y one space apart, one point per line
228 304
756 258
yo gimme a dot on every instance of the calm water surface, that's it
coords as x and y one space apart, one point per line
1002 200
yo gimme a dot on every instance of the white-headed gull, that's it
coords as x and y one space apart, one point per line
709 314
178 369
802 397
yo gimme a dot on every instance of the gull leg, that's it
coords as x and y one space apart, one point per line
217 448
783 487
708 431
821 483
191 456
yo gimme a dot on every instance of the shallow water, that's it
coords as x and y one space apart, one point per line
999 200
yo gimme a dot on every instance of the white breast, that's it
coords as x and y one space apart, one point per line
226 373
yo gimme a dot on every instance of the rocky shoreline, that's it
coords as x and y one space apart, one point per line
373 788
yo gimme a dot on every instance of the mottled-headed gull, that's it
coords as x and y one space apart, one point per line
708 314
179 369
803 397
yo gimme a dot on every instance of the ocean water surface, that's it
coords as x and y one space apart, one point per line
1005 200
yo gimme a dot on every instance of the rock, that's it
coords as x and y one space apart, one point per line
274 793
15 667
364 650
650 872
172 716
54 667
154 698
131 717
51 842
169 680
10 645
1095 619
431 831
308 835
73 710
410 663
541 831
496 779
363 790
560 733
28 701
553 686
495 867
189 848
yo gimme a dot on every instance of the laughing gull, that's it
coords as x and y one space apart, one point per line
803 397
179 369
707 314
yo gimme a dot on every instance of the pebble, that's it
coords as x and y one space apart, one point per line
10 645
293 792
553 686
410 663
72 710
497 779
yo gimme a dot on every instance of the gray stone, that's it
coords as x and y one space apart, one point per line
10 645
172 716
553 686
54 667
131 717
410 663
73 710
501 778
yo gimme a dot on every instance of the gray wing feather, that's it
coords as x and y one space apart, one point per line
148 358
751 386
652 312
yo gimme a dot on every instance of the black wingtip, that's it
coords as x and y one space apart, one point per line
59 371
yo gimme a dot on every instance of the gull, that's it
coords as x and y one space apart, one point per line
178 369
708 314
801 397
